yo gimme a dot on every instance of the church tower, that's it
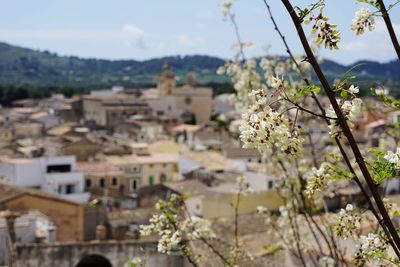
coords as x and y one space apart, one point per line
166 82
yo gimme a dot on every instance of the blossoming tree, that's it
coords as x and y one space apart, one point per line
277 104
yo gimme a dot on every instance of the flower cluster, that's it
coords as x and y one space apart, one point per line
162 224
364 19
266 128
349 221
369 246
198 228
226 6
317 179
350 108
393 158
326 33
171 230
245 78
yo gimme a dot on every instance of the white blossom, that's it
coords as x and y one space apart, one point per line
171 230
393 157
348 222
351 110
364 19
369 246
226 6
265 128
353 89
325 33
245 79
198 228
318 179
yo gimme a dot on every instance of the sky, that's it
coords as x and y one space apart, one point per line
143 29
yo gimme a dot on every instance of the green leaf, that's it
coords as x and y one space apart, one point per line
389 101
307 90
343 94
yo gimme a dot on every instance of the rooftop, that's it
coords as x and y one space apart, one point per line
210 160
157 158
165 146
186 127
97 168
121 160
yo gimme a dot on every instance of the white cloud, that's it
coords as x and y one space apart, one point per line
80 34
128 34
185 40
372 45
134 36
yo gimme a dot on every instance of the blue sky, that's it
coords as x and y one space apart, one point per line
142 29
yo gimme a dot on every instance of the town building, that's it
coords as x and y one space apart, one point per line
56 175
190 103
110 111
67 216
102 178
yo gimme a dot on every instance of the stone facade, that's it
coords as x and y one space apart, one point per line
100 254
189 103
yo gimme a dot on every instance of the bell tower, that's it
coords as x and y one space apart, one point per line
166 82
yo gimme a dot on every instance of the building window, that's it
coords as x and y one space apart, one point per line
164 165
151 165
69 189
151 180
102 183
58 168
133 185
163 178
114 181
188 100
88 183
270 184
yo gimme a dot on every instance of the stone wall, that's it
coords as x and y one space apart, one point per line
117 253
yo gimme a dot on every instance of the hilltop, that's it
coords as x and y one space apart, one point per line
24 67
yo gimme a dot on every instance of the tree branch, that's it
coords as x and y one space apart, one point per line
343 124
389 26
337 140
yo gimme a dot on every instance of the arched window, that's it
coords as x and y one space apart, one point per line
163 178
94 260
114 182
88 183
102 183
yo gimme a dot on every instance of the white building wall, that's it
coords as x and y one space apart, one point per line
33 173
60 160
29 174
165 105
259 181
7 172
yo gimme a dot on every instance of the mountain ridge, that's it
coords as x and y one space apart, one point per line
21 66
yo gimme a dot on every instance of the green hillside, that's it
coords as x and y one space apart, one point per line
38 73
